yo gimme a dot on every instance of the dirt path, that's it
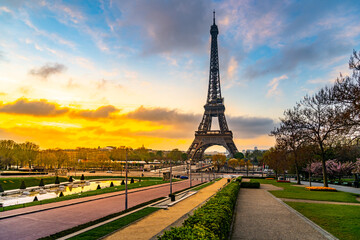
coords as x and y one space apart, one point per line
156 222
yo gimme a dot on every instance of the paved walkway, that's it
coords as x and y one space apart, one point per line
260 216
40 224
156 222
337 187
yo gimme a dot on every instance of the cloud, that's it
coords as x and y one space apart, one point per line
35 108
168 26
101 112
250 127
291 57
184 124
47 70
162 115
273 84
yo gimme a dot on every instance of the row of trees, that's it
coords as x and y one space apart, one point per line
238 161
28 154
320 127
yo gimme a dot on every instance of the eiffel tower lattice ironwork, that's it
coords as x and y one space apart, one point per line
214 107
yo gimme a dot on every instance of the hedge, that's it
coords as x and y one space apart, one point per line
250 185
211 221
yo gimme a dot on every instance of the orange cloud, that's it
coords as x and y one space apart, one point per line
101 112
35 108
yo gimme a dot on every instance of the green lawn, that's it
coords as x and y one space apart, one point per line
15 182
86 194
291 191
108 228
342 221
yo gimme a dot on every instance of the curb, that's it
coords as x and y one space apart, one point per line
323 232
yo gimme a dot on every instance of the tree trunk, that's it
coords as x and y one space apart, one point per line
324 166
297 170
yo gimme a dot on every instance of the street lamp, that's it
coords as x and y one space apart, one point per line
190 171
126 180
170 177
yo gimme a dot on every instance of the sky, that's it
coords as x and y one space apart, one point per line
132 73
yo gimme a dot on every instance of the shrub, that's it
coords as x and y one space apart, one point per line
57 181
23 186
98 187
212 220
71 179
286 181
250 185
82 177
61 194
132 180
122 182
41 184
187 233
1 188
111 184
36 199
239 179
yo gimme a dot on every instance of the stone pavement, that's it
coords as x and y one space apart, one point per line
153 224
259 216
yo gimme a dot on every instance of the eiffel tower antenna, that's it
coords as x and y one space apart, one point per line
214 107
214 16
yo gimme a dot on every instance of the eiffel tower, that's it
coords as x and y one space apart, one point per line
214 107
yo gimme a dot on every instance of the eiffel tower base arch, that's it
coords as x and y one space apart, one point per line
206 140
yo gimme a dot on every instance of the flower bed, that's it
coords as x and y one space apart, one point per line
283 181
211 221
270 178
327 189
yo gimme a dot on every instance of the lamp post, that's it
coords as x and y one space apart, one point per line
170 177
190 172
126 180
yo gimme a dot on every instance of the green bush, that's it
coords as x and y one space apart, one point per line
36 199
1 188
57 181
98 187
212 220
61 194
122 182
111 184
82 177
187 233
250 185
132 180
239 179
23 186
41 184
71 179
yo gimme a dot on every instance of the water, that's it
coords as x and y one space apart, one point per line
42 194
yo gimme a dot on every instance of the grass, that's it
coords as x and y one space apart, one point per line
343 221
15 182
294 192
108 228
86 194
88 224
